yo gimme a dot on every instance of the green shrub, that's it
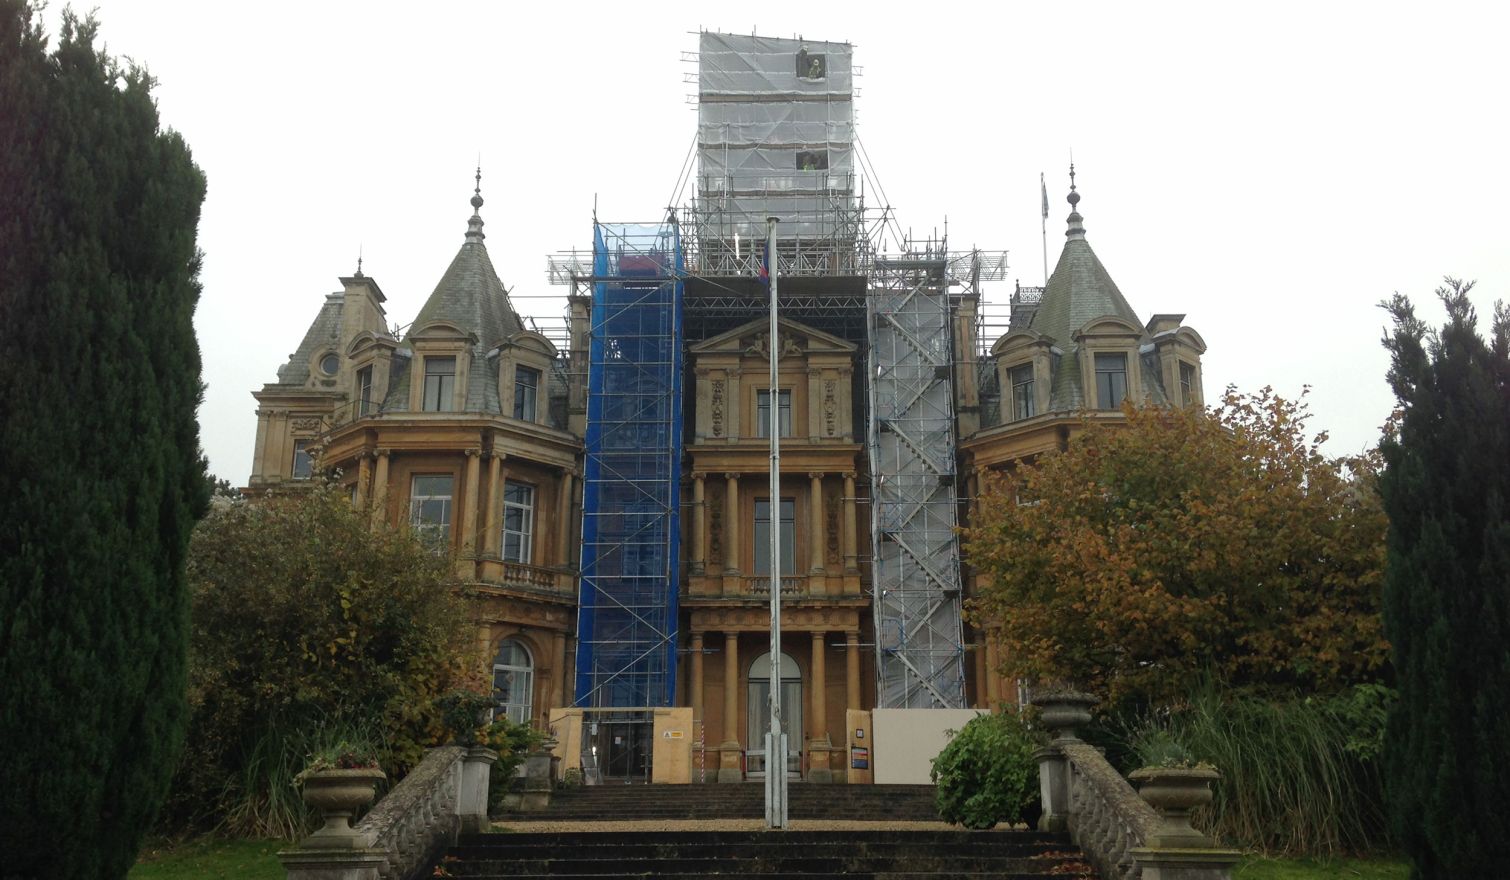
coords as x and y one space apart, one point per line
308 626
987 773
513 743
1298 777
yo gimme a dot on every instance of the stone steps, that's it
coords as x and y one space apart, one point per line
778 855
887 803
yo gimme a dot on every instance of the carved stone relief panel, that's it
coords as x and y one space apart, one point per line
717 406
830 408
831 526
714 504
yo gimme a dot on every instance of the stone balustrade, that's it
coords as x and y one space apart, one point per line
530 576
791 585
1120 833
410 827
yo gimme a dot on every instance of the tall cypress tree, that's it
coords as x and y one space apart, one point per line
101 479
1447 590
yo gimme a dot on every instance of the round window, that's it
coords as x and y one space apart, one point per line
329 364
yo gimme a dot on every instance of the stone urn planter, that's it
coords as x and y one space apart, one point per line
1062 712
337 795
1173 792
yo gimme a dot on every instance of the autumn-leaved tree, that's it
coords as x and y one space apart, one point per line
1184 545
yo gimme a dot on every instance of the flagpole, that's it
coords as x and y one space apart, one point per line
775 750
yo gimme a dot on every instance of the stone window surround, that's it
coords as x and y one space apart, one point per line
440 340
1017 349
370 351
1109 334
531 351
527 534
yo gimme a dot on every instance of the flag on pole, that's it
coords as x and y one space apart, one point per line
1045 187
763 271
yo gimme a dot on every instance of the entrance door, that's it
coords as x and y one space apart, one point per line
618 746
760 715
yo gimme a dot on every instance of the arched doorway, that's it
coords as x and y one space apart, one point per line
760 715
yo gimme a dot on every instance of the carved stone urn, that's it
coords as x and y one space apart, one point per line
1061 713
337 795
1173 792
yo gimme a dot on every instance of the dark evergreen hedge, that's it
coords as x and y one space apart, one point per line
101 479
1447 591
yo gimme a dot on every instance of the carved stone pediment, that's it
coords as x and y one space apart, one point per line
751 340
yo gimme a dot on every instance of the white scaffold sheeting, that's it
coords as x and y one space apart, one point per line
738 64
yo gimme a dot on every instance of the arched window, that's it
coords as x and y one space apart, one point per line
513 681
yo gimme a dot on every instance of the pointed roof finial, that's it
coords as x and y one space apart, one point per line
474 225
359 261
1076 232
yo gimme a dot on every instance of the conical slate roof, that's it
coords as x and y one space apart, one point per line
1079 291
1080 288
470 295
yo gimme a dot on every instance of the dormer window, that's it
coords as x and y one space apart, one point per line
1111 380
1021 378
526 392
330 364
440 384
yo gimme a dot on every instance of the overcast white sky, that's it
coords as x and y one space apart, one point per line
1271 171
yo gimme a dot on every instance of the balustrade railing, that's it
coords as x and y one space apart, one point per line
1106 818
1121 833
529 575
419 818
406 832
791 585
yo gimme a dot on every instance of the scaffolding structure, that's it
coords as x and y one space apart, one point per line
911 438
776 138
627 615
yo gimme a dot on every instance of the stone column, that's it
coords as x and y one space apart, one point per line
819 746
729 758
851 552
731 525
563 518
814 404
380 488
815 528
735 402
697 676
558 649
364 479
469 515
852 670
993 679
492 539
699 525
259 449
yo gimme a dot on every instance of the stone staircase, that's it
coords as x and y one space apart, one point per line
602 803
767 855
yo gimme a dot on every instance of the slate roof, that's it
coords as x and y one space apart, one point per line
470 296
1080 290
323 333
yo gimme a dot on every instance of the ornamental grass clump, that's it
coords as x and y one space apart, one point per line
987 774
1299 776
